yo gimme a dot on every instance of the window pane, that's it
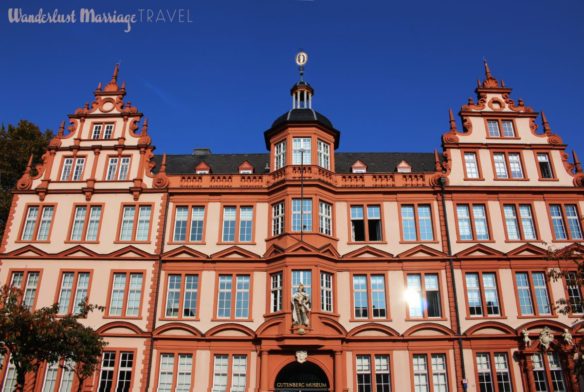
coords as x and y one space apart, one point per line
81 292
280 155
66 291
165 375
67 166
93 225
134 295
302 214
500 165
238 373
106 377
374 223
541 293
30 289
45 224
224 303
574 292
527 222
414 295
124 168
180 223
323 154
515 165
79 163
220 371
464 229
173 295
190 299
278 218
480 222
439 377
363 363
112 168
360 298
511 222
525 301
185 366
96 131
242 296
470 161
378 296
545 168
491 294
502 370
484 373
78 223
301 151
493 126
276 292
475 306
573 222
143 226
197 220
382 373
326 292
127 223
304 277
325 218
508 130
245 224
31 218
432 295
420 367
125 372
408 223
229 216
357 223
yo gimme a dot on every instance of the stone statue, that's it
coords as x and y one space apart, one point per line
568 337
546 337
526 339
301 356
300 307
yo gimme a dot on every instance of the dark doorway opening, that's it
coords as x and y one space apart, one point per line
302 377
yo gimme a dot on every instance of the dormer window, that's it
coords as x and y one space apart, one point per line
245 168
301 151
404 167
280 155
359 168
324 155
202 168
204 171
102 131
495 127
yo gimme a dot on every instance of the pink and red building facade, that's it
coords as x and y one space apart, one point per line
425 271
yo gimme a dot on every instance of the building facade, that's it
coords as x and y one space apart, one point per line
307 269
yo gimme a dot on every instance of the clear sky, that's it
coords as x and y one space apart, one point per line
384 72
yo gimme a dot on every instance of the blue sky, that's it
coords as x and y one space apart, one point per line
384 72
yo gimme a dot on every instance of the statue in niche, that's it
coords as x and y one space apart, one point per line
546 338
300 307
568 337
526 339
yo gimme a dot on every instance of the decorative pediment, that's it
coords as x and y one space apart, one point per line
273 250
184 253
78 251
246 168
479 250
403 167
202 168
131 252
570 250
421 251
528 250
329 250
235 252
302 248
359 167
368 252
27 251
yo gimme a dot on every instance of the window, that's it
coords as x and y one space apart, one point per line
276 292
495 127
233 286
547 366
116 371
125 294
506 163
38 222
301 214
366 227
188 224
59 377
175 373
74 291
532 288
482 294
545 166
301 151
325 218
522 229
471 165
430 378
72 169
182 295
324 159
229 373
86 221
417 222
102 131
326 291
280 155
27 282
472 222
566 222
369 296
10 378
118 168
135 224
231 220
303 277
278 218
574 291
376 378
493 378
423 295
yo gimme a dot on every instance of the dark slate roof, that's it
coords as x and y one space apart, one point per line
302 116
377 162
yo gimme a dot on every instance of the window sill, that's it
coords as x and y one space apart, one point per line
370 319
571 241
243 320
503 137
483 318
426 319
236 243
32 242
475 241
186 243
473 179
179 319
510 179
538 316
132 242
413 242
367 242
109 317
81 242
550 179
522 241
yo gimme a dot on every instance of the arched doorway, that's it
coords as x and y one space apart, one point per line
301 377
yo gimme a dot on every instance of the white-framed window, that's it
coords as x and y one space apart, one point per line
230 219
366 223
324 156
118 168
74 285
548 365
532 289
522 228
369 296
423 294
433 377
116 371
280 155
326 291
226 378
545 166
278 218
37 227
102 131
59 377
566 222
72 169
472 222
375 378
471 165
302 151
135 227
493 377
276 291
182 230
181 295
508 163
175 375
482 294
301 214
325 218
86 223
230 287
28 282
417 222
126 294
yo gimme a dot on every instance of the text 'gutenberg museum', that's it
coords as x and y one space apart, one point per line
303 268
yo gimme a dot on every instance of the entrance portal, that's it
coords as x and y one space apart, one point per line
301 377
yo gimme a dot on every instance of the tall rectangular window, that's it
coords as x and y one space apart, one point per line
237 224
545 166
278 218
482 294
416 222
515 165
369 296
574 290
303 277
86 221
506 163
301 151
472 222
532 289
471 165
73 292
125 294
175 375
324 158
326 291
433 377
37 226
373 378
188 223
182 295
500 165
566 222
233 296
547 366
301 214
280 155
325 217
27 282
96 134
102 131
366 223
423 295
508 130
493 378
118 168
135 225
276 292
116 371
59 377
72 169
493 126
522 227
229 373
